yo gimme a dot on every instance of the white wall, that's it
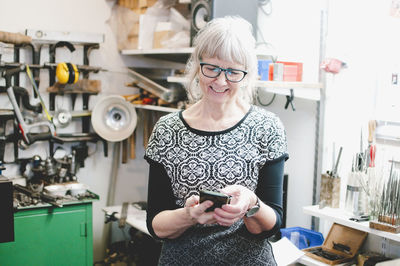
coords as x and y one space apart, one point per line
293 30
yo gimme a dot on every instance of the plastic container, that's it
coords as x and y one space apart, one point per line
76 189
302 237
56 190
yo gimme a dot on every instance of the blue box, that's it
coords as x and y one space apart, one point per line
307 238
263 69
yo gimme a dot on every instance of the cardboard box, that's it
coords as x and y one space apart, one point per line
146 3
132 4
292 71
275 71
341 245
140 10
134 32
163 32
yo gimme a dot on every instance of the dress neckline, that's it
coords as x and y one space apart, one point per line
213 133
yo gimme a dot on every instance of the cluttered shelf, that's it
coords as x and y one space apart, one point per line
310 91
339 216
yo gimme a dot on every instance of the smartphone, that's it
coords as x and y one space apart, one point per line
218 198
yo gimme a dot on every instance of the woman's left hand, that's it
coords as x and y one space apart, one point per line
242 199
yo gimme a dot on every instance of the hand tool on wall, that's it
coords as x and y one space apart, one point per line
7 74
25 129
36 49
23 94
34 84
289 100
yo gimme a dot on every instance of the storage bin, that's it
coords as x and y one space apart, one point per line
302 237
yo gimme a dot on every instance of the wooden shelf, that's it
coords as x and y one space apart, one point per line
339 216
310 91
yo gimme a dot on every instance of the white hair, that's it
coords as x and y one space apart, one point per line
230 39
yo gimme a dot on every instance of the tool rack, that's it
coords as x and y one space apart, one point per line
11 71
42 229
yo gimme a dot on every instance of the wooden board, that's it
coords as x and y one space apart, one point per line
384 227
81 86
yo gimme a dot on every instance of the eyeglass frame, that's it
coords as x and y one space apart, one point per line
224 70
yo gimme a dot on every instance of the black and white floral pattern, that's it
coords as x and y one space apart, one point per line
197 159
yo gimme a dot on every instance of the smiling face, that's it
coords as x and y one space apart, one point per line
219 89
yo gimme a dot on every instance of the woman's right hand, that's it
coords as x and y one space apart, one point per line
196 211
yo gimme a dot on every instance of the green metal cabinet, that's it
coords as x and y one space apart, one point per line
50 235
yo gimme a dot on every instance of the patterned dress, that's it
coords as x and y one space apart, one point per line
184 160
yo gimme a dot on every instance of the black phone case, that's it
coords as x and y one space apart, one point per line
219 199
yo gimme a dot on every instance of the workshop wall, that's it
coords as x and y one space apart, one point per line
79 16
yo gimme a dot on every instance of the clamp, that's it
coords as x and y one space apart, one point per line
289 100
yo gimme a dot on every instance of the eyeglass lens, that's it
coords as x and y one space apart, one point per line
213 71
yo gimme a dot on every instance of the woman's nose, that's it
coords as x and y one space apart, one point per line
221 79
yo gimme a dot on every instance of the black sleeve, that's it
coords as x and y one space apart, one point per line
159 194
270 189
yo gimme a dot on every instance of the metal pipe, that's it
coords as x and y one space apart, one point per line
114 174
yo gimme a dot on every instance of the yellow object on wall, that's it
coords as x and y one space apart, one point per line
67 73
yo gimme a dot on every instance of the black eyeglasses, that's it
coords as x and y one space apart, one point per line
213 71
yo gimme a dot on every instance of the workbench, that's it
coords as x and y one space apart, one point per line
49 235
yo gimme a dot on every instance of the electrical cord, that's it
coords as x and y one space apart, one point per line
265 104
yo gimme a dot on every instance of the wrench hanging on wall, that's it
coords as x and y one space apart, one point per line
26 129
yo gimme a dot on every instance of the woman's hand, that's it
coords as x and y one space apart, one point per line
196 212
242 199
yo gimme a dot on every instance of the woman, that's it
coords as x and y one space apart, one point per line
221 143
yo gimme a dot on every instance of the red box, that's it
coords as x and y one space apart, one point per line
292 71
